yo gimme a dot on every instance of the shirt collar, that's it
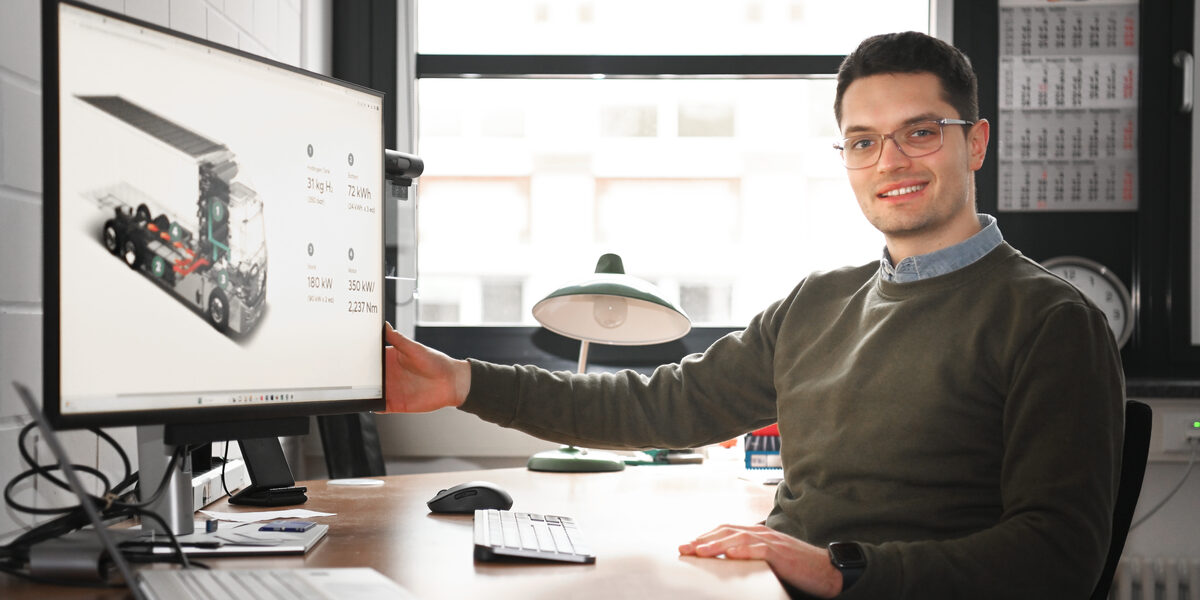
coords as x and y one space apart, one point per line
946 260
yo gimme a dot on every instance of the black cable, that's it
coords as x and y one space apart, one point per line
68 522
61 582
130 550
112 504
43 470
120 451
179 553
49 529
162 483
225 461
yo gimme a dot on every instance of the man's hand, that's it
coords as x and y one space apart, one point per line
421 379
802 565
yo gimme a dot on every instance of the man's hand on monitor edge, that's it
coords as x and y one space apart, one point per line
802 565
420 379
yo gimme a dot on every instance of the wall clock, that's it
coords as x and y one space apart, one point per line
1101 286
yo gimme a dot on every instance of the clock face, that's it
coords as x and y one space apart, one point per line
1100 286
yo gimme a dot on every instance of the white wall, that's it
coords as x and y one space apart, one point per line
1173 531
290 31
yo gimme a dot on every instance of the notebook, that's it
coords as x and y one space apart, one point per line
232 539
217 584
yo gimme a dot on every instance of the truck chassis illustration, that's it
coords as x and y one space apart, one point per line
207 250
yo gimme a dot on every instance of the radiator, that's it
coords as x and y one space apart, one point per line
1144 578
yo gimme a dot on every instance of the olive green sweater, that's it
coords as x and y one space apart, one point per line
966 429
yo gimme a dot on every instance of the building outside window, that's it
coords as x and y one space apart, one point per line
692 137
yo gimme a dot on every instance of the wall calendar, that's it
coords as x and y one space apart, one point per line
1068 123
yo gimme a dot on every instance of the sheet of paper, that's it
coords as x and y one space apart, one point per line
265 515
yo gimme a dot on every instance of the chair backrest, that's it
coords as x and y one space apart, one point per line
351 444
1138 423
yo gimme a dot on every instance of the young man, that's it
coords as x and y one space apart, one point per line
951 416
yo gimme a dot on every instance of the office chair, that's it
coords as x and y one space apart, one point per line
351 445
1133 468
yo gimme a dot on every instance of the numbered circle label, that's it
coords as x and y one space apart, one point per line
158 266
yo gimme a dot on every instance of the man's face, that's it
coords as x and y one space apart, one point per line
928 201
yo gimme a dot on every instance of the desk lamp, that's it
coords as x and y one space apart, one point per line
610 307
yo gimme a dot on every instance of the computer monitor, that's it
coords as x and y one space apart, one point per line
213 233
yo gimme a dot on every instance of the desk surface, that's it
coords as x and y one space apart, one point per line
635 519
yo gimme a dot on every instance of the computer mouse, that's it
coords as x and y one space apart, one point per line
470 496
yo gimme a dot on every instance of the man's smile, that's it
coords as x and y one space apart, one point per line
896 190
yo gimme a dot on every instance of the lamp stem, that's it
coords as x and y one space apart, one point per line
583 350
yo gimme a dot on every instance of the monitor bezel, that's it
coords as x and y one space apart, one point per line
51 261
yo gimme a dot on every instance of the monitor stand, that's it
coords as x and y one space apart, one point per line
271 480
175 504
156 445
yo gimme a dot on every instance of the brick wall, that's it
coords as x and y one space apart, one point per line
290 31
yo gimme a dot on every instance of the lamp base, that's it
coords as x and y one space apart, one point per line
570 459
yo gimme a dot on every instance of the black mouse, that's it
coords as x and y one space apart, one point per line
469 496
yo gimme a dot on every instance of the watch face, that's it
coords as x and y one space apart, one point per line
1102 287
847 554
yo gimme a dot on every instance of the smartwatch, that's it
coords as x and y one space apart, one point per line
849 558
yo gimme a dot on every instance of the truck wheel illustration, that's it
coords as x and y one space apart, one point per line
129 252
218 310
110 238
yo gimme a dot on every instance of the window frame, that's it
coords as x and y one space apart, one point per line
587 66
534 345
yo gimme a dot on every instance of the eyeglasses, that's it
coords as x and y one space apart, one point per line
914 141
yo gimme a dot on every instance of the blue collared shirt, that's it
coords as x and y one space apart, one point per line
924 266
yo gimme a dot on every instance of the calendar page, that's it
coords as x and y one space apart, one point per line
1068 89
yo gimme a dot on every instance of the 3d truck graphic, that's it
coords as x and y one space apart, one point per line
180 218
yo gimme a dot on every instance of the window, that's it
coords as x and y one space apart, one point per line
660 27
692 137
706 302
502 301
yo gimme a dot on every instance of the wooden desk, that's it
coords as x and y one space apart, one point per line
635 520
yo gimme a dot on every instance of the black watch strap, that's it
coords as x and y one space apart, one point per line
849 558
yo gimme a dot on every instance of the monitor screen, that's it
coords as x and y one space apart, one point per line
214 230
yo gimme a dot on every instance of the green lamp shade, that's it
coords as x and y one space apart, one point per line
611 307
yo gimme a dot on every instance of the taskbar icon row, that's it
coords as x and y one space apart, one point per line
259 398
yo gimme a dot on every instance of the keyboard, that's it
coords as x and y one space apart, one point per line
503 534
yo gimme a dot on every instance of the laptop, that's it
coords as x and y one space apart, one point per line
216 584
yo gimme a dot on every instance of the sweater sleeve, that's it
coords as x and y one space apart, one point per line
1062 432
704 399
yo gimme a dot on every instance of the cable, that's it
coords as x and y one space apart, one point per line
176 456
62 525
114 502
179 553
59 582
43 470
1195 443
225 461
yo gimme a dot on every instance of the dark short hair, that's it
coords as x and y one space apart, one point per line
913 52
